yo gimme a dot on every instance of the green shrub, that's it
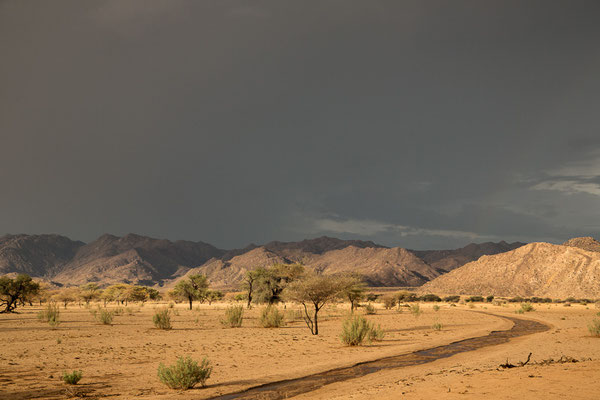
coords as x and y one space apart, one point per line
475 299
594 327
185 373
355 330
162 319
437 326
51 315
452 299
415 310
389 301
436 308
72 378
527 307
372 297
233 316
376 334
369 309
406 296
271 317
430 298
104 316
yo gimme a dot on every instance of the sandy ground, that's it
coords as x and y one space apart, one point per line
120 361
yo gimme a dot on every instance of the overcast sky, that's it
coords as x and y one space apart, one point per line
419 124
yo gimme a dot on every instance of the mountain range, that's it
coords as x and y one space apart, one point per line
148 261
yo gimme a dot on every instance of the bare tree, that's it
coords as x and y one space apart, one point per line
314 291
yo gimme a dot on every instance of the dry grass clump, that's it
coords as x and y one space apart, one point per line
234 316
162 319
389 301
271 317
415 310
594 327
51 315
72 378
356 330
369 309
185 373
437 326
103 316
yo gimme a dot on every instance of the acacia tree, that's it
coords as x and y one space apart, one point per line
67 295
89 292
271 282
193 288
13 291
314 291
354 290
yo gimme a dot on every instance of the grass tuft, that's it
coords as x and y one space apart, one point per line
185 373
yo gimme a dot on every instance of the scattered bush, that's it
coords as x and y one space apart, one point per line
415 310
519 311
271 317
594 327
437 326
527 307
436 308
185 373
104 316
162 319
376 334
369 309
51 315
489 299
371 297
355 330
389 301
430 298
233 316
475 299
406 297
72 378
452 299
171 305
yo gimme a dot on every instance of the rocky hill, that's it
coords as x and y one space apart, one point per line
379 266
447 260
134 259
36 255
536 269
585 243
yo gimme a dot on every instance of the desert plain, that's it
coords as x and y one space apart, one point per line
120 361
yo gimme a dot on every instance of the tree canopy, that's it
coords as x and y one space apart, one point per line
194 287
17 290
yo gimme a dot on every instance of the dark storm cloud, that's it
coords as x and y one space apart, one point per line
421 124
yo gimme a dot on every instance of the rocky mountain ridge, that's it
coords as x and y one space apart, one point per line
144 260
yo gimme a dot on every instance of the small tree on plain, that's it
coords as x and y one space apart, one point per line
192 288
314 291
89 292
18 290
355 290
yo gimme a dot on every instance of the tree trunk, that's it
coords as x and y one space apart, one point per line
191 300
316 322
